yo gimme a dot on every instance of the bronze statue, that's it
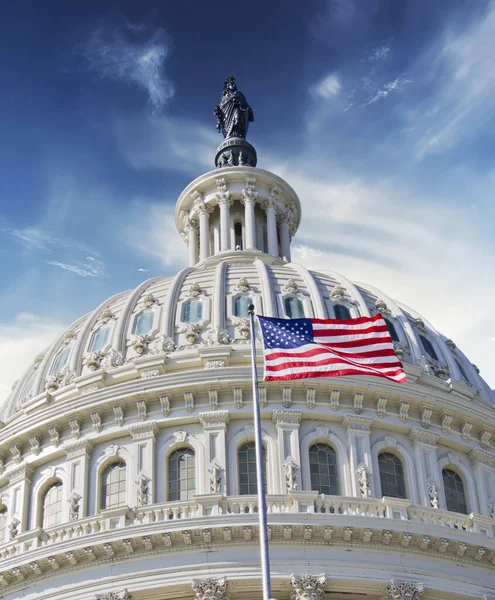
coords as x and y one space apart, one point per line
233 113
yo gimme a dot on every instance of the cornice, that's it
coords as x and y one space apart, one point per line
287 417
215 419
352 422
420 436
481 457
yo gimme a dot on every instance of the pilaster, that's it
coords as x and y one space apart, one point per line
215 429
143 447
78 457
287 423
19 490
428 474
358 437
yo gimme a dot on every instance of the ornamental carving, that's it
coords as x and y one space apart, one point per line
218 337
124 595
69 336
433 491
308 587
243 285
140 343
143 490
382 307
399 350
162 344
243 330
106 316
74 506
290 470
363 476
195 290
215 471
58 380
113 360
13 528
93 360
291 287
338 293
210 589
404 591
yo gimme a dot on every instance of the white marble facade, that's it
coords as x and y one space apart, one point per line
93 506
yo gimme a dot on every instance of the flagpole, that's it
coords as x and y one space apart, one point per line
260 468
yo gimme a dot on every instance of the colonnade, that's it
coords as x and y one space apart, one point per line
275 231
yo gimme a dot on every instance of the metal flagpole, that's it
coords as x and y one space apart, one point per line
260 468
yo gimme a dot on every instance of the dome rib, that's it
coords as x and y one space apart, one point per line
267 296
218 299
352 289
170 304
123 323
309 280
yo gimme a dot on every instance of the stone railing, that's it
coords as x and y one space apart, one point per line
323 507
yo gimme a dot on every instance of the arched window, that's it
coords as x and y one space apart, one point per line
181 474
100 339
238 236
144 323
241 304
391 475
246 458
61 360
461 370
113 485
192 311
341 312
52 505
455 499
293 308
428 346
392 330
323 469
3 523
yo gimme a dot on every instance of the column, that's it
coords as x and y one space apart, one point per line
19 491
287 422
192 240
204 233
249 196
224 224
143 438
285 238
358 436
78 457
271 228
484 477
426 462
215 429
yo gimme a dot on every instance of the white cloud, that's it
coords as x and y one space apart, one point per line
149 229
328 87
20 341
91 268
39 239
141 270
164 142
135 55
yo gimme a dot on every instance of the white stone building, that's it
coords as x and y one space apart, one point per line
126 449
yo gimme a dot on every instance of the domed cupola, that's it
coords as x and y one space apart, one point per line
237 207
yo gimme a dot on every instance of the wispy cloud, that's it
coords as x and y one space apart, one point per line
39 239
134 54
380 53
396 85
91 267
328 87
460 67
21 339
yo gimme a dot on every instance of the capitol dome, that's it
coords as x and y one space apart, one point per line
126 466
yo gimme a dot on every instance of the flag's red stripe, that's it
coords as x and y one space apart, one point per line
353 343
341 373
331 361
356 321
318 350
369 331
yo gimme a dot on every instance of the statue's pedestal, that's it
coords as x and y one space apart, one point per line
235 152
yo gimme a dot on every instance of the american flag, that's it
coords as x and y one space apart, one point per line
300 348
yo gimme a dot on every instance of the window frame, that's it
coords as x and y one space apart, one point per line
461 478
336 484
177 450
248 473
142 313
388 452
54 484
287 299
102 504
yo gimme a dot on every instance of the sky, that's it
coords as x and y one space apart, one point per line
380 114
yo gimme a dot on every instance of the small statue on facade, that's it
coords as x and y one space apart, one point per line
233 113
364 482
14 528
215 478
74 507
432 490
143 489
290 468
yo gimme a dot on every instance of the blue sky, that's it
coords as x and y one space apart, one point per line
379 113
